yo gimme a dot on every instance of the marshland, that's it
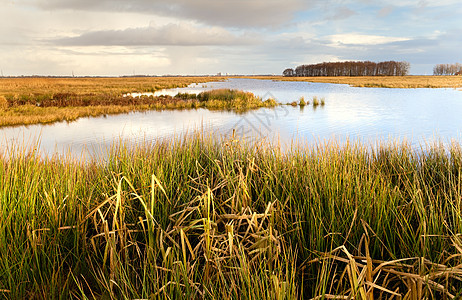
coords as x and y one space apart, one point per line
200 217
174 149
372 213
407 82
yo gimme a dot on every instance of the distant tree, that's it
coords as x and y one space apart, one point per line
447 69
288 72
354 68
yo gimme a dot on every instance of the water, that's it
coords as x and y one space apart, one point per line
367 114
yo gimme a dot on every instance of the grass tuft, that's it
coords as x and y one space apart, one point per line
200 217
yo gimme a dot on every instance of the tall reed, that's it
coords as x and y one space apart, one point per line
200 217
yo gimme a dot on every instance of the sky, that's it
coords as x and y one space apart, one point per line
198 37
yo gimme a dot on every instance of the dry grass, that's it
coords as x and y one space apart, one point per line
30 114
204 218
71 106
25 101
382 81
114 86
46 100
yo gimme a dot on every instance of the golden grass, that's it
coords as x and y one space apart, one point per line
18 97
30 114
381 81
3 103
118 86
202 217
71 106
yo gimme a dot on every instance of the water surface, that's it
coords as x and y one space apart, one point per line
367 114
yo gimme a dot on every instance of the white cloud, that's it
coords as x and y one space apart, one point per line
181 34
362 39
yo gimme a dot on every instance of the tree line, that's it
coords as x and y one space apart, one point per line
448 69
351 68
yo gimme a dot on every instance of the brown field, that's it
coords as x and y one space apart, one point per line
118 86
26 101
381 81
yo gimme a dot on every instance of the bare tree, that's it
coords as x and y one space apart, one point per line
447 69
354 68
288 72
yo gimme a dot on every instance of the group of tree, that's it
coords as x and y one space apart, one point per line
351 68
447 69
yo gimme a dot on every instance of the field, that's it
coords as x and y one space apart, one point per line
381 81
45 100
22 99
205 218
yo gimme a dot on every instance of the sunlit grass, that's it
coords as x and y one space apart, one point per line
200 217
382 81
228 99
69 107
46 87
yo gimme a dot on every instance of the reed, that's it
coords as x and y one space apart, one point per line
69 107
380 81
200 217
227 99
315 101
47 87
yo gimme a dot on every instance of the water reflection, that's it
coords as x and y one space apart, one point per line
368 114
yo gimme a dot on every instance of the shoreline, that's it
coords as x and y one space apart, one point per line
410 81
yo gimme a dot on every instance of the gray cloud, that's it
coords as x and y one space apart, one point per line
341 13
233 13
168 35
385 11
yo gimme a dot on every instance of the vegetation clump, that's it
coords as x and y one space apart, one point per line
16 109
3 103
225 219
227 99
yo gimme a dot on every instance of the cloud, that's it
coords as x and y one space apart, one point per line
362 39
232 13
385 11
181 34
341 14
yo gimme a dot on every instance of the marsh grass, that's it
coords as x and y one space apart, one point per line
3 103
67 99
200 217
226 99
381 81
30 88
315 101
69 107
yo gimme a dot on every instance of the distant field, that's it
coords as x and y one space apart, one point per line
20 87
382 81
46 100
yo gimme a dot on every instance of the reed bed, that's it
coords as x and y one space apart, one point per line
25 101
402 82
71 106
205 218
43 87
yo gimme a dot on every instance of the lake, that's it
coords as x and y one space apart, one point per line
418 116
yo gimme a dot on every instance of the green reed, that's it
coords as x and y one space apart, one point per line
200 217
